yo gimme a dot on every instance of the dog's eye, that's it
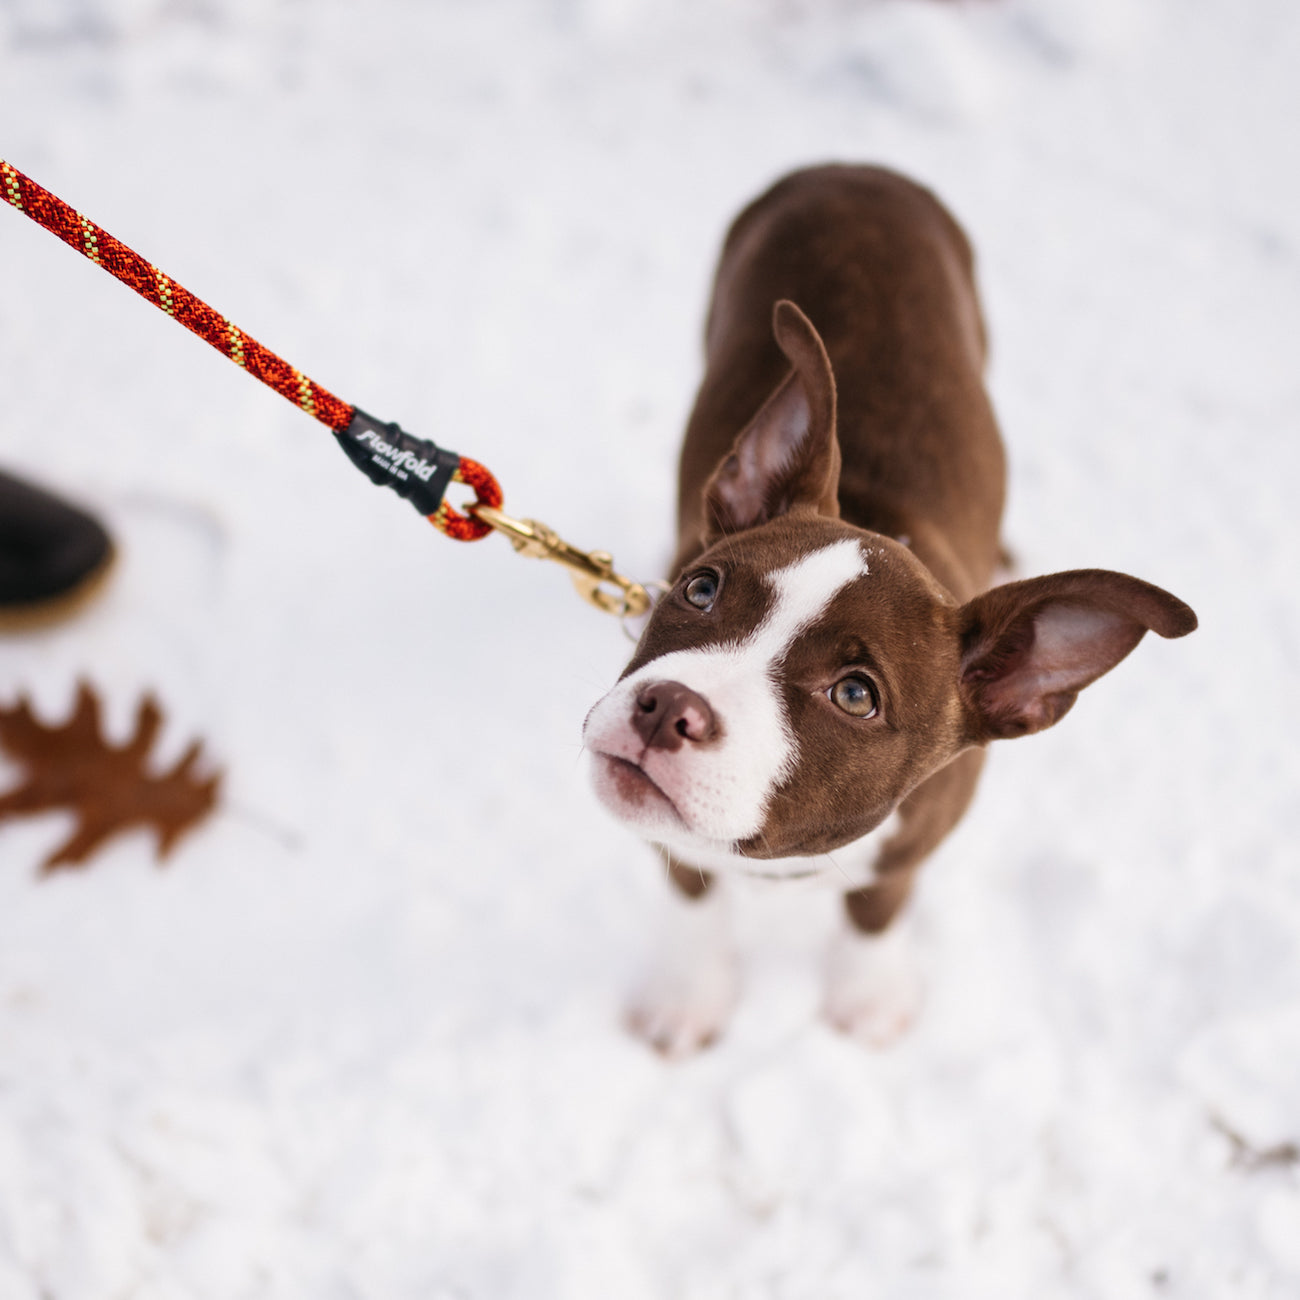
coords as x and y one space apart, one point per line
702 590
855 695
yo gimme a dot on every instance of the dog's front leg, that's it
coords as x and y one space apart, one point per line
873 982
686 996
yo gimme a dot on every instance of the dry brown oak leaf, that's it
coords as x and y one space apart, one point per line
74 768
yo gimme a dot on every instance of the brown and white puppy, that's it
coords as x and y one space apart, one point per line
814 694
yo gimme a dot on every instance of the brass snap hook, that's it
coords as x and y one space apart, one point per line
592 571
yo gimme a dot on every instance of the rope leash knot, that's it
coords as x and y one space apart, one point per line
419 471
416 469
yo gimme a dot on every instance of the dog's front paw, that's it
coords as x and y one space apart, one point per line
678 1012
684 1001
873 986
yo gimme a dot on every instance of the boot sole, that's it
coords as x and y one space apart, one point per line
35 615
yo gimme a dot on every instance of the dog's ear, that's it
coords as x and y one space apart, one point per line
1030 647
788 455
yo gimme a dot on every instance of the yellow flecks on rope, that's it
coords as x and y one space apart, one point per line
12 192
89 239
236 341
305 399
164 292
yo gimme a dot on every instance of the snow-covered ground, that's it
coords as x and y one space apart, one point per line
361 1039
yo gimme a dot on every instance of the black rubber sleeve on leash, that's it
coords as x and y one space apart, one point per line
414 468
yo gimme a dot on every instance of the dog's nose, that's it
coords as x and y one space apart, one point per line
668 713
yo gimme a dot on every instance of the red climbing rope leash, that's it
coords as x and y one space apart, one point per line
415 468
123 264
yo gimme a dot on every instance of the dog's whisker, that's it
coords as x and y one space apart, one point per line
835 862
668 870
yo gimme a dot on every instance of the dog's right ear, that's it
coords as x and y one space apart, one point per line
788 455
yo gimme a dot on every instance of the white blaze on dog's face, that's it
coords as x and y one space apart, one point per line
776 707
722 741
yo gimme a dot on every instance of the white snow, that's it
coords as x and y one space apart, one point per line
361 1039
